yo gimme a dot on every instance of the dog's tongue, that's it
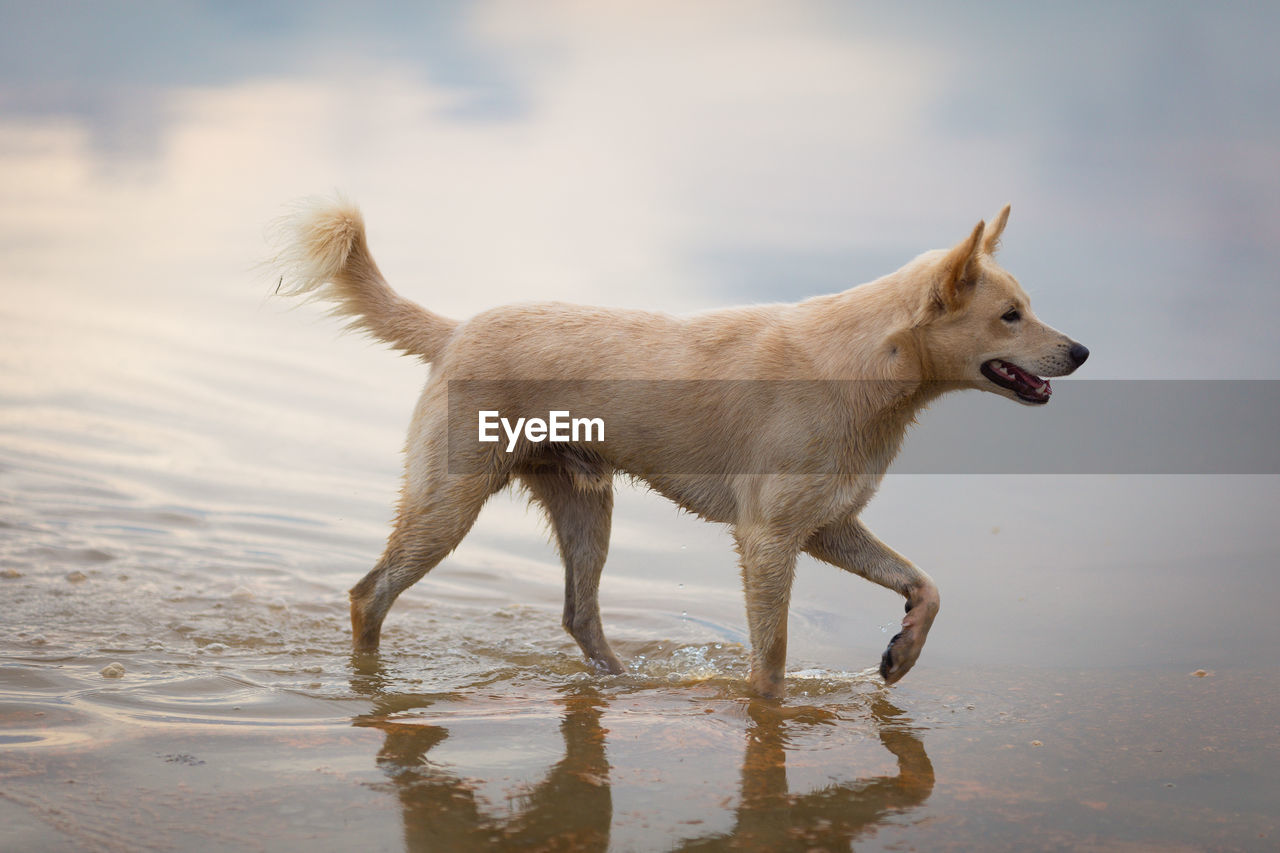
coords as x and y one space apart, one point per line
1034 385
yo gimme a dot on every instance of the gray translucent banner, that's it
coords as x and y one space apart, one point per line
667 428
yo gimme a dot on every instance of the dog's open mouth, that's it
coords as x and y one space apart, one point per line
1026 385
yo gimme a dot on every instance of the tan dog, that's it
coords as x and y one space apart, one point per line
779 420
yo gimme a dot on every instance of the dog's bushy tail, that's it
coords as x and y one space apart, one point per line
322 252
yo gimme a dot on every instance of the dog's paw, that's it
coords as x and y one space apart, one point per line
905 647
770 689
886 659
899 657
608 665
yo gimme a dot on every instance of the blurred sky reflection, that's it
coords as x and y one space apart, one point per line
664 155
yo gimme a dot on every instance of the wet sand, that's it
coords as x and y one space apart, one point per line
215 761
175 675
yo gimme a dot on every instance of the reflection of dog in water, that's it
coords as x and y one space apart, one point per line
789 467
572 807
770 817
441 811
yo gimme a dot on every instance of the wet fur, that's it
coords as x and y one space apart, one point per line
916 333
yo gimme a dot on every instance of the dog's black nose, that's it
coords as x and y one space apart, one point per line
1078 353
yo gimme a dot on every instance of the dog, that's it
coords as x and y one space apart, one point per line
777 420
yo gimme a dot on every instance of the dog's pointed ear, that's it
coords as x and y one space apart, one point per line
991 239
959 271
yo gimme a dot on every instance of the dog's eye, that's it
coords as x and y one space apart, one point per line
1011 316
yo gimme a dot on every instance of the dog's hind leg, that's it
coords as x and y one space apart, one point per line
431 521
580 510
849 545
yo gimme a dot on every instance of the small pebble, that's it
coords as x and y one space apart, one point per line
1036 743
112 670
77 577
1202 673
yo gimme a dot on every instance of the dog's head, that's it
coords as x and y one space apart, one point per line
977 328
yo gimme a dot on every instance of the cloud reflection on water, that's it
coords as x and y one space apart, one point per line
665 156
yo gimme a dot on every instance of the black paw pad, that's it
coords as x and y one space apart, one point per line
886 659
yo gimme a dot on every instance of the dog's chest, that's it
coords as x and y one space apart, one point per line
853 494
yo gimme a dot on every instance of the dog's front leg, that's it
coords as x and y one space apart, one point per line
851 546
768 567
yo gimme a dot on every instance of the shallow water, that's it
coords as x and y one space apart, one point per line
192 473
194 511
